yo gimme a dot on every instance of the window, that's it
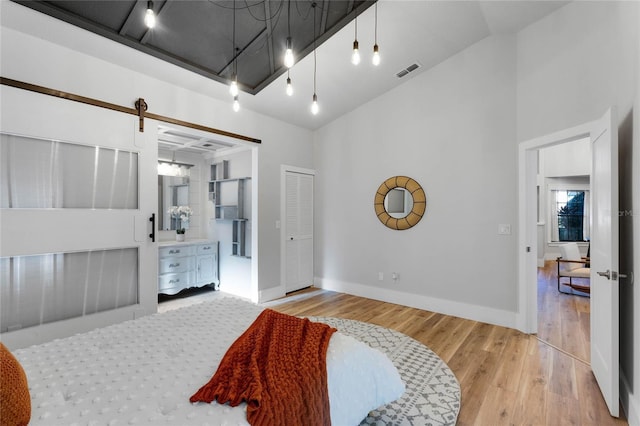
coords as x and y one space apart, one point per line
570 215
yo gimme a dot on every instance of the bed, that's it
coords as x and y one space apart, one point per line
144 372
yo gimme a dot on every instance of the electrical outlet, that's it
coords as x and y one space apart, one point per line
394 276
380 276
504 229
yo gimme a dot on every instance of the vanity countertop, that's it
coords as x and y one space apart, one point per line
183 243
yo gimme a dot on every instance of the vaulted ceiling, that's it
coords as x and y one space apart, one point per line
421 32
208 36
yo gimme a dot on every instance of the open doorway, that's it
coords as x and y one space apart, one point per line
205 190
563 217
603 275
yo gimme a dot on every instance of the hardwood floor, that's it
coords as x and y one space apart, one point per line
506 377
563 319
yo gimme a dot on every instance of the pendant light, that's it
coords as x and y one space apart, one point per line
289 86
236 102
314 104
355 56
233 88
150 16
375 59
288 54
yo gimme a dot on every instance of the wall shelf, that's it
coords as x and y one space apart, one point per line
233 210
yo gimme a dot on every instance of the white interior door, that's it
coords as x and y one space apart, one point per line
77 189
604 260
298 230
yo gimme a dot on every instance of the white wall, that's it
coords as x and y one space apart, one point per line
574 64
452 129
629 163
38 59
567 159
235 272
630 264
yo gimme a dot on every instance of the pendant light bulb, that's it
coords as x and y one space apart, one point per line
355 56
233 88
376 56
288 55
314 105
289 87
150 16
236 104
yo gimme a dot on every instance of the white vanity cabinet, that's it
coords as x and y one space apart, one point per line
185 265
207 264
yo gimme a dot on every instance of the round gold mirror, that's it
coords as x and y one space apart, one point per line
400 202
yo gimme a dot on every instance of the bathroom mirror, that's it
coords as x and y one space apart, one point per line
172 191
400 202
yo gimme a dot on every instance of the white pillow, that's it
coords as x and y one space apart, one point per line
359 379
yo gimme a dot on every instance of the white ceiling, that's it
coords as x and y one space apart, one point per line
426 32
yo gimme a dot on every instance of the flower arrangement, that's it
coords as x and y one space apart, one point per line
181 214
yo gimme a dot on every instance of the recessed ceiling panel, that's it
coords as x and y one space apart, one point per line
199 34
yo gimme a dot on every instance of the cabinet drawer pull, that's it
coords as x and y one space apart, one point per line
174 281
206 248
174 251
174 265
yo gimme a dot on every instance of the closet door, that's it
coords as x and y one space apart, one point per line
298 230
77 190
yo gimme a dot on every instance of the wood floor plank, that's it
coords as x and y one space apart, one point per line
509 372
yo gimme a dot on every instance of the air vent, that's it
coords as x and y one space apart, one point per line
407 70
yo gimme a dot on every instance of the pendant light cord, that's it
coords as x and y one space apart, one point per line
235 60
314 47
375 37
289 19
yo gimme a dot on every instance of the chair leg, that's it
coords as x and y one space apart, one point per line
560 291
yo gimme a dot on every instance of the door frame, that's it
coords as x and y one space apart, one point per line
527 315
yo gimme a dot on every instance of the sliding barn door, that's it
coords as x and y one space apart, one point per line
77 190
298 229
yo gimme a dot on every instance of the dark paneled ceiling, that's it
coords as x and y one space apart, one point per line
198 34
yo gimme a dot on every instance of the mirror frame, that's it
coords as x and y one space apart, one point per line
419 202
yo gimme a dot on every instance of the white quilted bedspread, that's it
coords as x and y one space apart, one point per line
143 372
137 372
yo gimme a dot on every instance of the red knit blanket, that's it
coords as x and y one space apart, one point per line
278 366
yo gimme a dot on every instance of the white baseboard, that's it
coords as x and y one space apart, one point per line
447 307
271 294
541 263
630 404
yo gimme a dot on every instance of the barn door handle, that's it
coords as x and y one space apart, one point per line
606 274
152 235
